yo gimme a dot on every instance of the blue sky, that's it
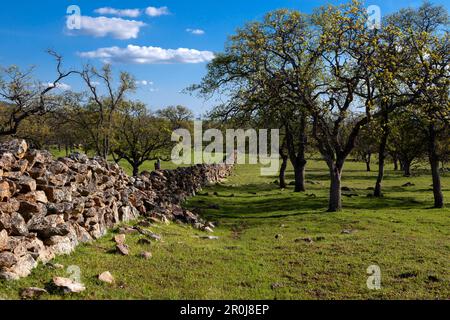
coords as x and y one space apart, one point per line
28 28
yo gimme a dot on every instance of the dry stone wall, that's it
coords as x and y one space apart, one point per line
48 206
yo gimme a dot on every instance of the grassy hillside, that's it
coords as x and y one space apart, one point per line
274 244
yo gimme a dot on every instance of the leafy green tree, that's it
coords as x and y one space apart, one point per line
139 136
427 42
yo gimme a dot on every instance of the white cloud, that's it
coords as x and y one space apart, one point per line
144 82
148 55
197 32
102 26
60 85
156 12
132 13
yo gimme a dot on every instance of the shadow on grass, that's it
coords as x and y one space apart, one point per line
271 203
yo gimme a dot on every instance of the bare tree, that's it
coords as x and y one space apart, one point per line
105 106
24 97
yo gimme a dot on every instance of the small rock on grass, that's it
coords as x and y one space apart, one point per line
144 241
123 249
208 229
307 240
276 285
279 237
207 237
146 255
408 184
106 277
68 285
55 266
32 293
127 230
120 239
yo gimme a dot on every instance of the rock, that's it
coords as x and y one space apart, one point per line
54 194
7 260
127 230
149 234
68 285
40 196
45 229
106 277
27 184
18 225
209 237
144 241
29 209
307 240
278 236
123 249
276 285
120 239
23 267
17 147
55 266
408 184
32 293
208 229
347 231
4 240
5 192
146 255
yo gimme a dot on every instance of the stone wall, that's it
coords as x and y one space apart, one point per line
48 206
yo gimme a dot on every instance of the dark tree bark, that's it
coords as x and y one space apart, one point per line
395 164
381 159
368 161
282 177
284 157
135 169
335 201
434 163
406 167
299 172
298 155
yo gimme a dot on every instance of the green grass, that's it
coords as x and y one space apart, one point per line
400 233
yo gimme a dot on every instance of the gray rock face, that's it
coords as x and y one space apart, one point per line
48 206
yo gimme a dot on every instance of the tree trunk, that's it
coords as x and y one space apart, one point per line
434 163
299 172
135 170
381 159
335 201
283 171
406 168
395 164
368 158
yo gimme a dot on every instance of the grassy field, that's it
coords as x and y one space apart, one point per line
264 250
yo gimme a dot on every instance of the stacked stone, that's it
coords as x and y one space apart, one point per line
48 207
